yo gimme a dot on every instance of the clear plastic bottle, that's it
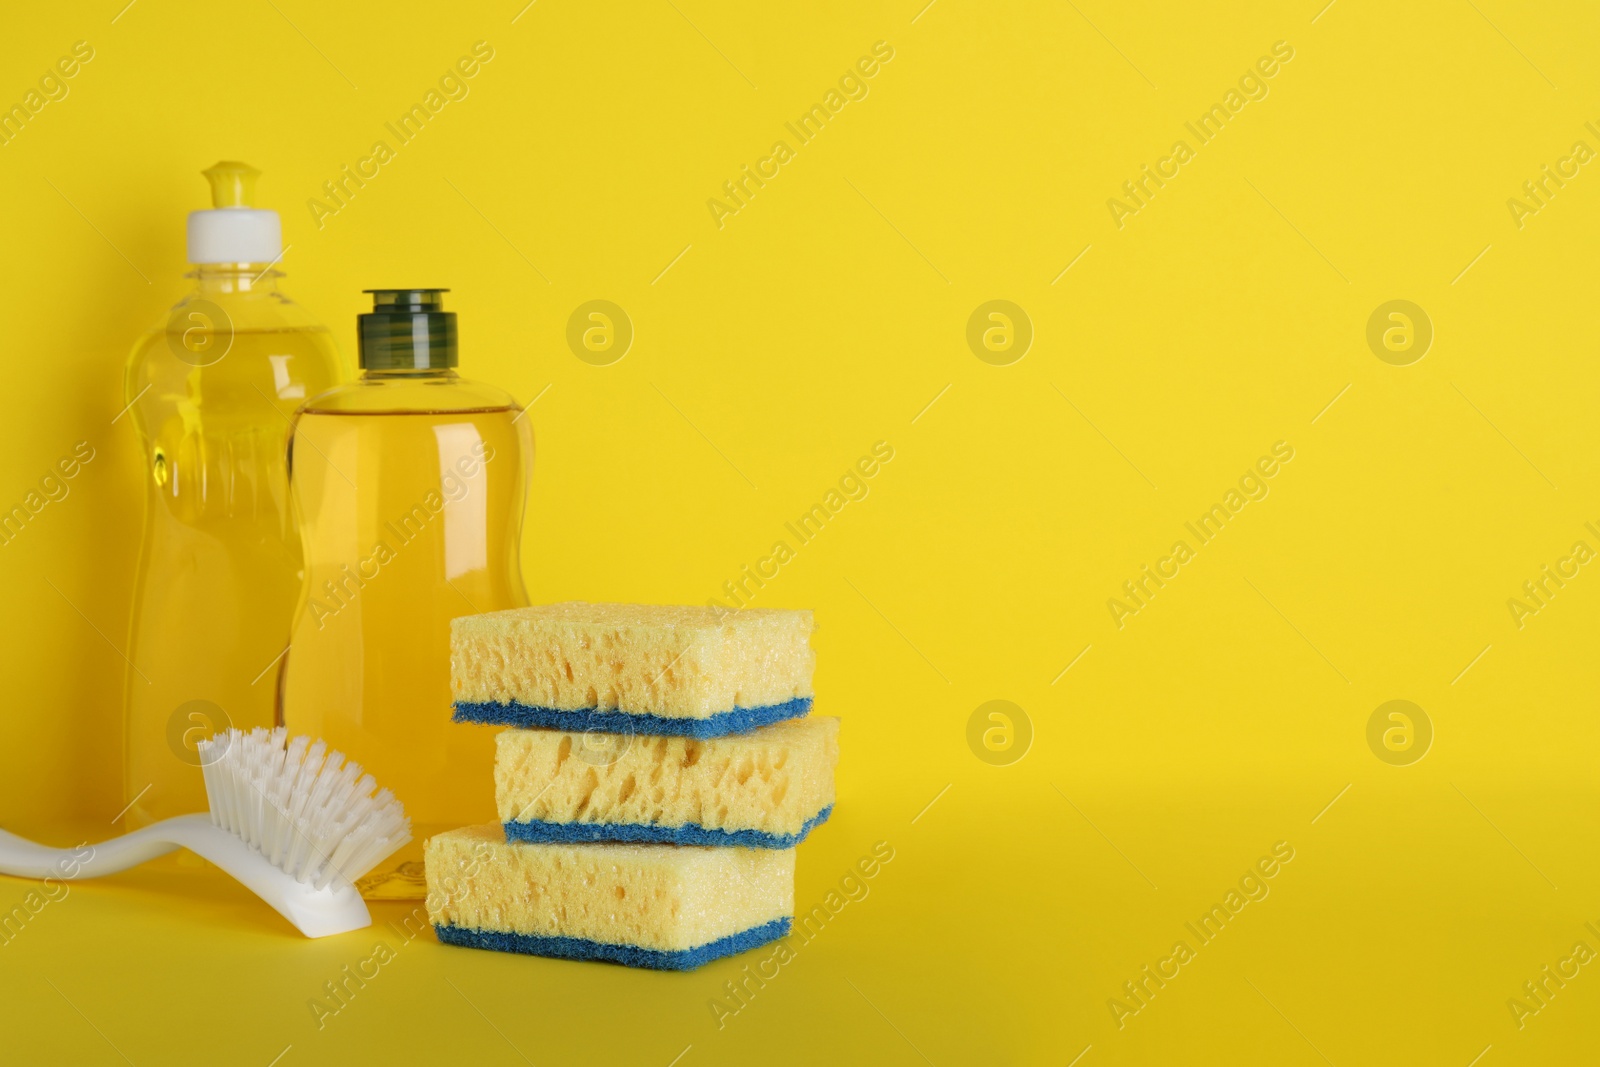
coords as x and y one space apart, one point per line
212 391
410 485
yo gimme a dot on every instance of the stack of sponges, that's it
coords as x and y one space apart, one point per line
660 768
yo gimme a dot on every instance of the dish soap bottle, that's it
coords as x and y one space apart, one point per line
409 484
212 391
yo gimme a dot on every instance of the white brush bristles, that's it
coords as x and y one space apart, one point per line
308 812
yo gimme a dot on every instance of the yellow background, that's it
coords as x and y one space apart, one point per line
824 317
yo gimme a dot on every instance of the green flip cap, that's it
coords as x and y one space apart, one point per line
407 329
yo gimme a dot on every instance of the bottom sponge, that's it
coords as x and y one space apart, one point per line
574 948
645 905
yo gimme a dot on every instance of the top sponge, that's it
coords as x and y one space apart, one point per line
632 668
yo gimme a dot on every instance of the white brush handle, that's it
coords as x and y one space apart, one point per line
314 912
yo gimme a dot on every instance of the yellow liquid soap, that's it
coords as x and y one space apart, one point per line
410 486
213 396
212 392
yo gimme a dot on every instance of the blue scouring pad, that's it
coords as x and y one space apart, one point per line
593 720
538 830
575 948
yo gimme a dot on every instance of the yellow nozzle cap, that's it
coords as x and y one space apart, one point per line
232 184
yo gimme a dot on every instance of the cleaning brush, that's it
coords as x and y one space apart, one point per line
319 821
295 824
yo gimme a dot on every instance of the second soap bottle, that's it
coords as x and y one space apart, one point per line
409 485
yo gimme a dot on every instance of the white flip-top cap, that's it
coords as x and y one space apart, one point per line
233 231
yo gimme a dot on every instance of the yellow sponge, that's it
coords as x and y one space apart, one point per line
632 668
660 906
766 788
